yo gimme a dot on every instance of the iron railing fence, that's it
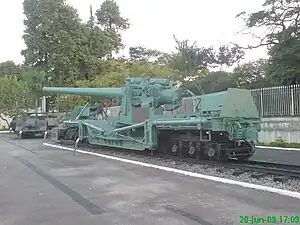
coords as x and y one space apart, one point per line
277 101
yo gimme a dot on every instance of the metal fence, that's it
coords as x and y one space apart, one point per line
278 101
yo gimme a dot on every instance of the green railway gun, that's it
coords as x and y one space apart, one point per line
142 124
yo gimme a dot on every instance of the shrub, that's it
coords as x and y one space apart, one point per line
281 143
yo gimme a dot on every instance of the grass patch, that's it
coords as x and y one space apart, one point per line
280 143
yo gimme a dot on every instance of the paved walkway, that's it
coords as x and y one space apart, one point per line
275 155
47 186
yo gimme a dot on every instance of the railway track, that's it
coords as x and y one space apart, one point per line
258 169
280 171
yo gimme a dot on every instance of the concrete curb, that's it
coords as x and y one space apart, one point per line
4 131
278 148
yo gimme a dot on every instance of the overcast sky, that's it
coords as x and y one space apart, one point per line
153 23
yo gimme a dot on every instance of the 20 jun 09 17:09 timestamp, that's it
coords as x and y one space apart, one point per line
270 219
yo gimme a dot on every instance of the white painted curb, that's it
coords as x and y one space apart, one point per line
198 175
4 131
278 148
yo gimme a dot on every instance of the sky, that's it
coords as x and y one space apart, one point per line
153 23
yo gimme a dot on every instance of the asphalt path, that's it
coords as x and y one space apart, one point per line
41 185
276 155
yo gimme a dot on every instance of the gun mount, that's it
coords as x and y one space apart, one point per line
137 92
216 129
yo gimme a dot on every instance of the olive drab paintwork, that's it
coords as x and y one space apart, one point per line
32 124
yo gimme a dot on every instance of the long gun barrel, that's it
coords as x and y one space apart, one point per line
94 92
142 92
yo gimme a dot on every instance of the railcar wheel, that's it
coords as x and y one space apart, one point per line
211 153
192 149
174 149
180 146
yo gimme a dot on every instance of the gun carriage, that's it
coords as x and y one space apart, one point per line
222 126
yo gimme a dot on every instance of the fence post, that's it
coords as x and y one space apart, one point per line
292 101
261 102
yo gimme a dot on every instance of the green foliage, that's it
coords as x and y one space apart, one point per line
53 34
227 55
284 62
217 81
281 143
143 54
14 96
191 65
252 75
110 18
190 60
65 103
10 68
280 20
35 80
60 44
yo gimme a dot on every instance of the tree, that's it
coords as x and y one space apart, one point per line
13 98
65 103
53 38
110 19
279 21
284 61
109 16
252 75
190 60
34 80
10 68
143 54
97 45
216 81
227 55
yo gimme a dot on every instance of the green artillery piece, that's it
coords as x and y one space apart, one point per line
143 125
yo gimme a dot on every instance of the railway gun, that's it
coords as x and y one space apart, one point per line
222 126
